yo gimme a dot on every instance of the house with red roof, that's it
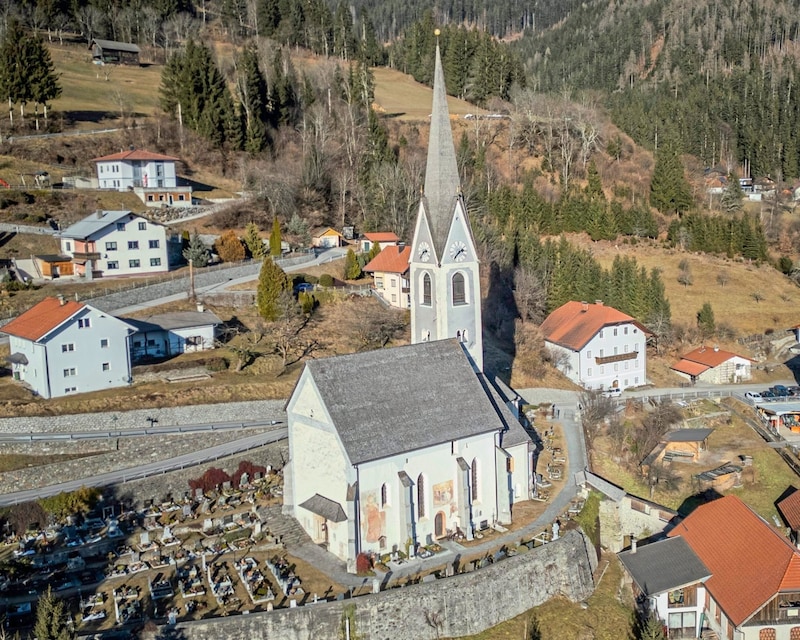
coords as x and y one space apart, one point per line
753 592
151 176
59 347
713 365
389 271
384 239
597 346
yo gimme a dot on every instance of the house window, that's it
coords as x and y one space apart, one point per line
589 354
393 282
394 297
153 244
426 289
151 343
84 323
133 244
459 289
149 197
69 246
120 226
616 367
601 333
137 344
180 197
589 372
66 348
70 389
421 496
68 373
104 343
626 349
155 262
384 495
106 366
142 226
111 246
475 480
112 264
379 282
133 264
626 365
602 370
625 331
601 353
615 331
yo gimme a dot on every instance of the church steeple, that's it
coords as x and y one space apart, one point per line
442 184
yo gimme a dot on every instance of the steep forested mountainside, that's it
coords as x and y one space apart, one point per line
717 78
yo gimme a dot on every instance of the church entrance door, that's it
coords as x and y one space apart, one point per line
439 525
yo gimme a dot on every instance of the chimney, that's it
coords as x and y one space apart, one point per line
716 347
99 214
584 307
599 303
200 307
61 299
633 544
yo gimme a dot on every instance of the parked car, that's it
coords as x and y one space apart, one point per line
303 287
780 391
769 393
613 392
753 395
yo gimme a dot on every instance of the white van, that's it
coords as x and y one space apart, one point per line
613 392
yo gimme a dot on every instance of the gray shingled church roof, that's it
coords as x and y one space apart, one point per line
664 565
442 183
392 401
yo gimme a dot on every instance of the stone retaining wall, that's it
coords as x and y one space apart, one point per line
166 416
462 605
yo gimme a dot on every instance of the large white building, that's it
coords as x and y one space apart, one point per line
116 243
151 176
600 347
60 347
393 449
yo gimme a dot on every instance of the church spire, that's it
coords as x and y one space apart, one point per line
442 184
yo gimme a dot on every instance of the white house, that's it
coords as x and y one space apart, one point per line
152 176
713 365
116 243
601 348
60 347
170 334
432 449
389 271
382 238
670 576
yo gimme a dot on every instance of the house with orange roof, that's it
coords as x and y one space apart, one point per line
384 239
59 347
597 346
789 508
754 589
152 176
389 271
713 365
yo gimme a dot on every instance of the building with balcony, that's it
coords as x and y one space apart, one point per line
596 346
116 243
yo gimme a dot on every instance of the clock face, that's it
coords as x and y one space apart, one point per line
458 251
424 252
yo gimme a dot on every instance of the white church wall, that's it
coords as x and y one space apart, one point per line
439 469
520 475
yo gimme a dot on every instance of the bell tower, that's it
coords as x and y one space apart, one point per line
444 269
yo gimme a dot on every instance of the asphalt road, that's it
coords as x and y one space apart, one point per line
150 469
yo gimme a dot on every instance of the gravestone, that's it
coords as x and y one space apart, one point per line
244 480
198 493
208 524
144 538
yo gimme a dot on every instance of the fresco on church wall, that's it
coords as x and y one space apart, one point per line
373 521
442 493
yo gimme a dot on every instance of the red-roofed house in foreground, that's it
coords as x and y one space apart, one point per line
713 365
390 272
600 347
754 589
59 347
151 176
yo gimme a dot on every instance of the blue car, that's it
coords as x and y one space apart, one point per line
303 287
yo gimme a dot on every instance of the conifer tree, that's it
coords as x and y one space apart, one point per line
229 247
669 190
42 76
374 250
51 618
731 200
352 269
272 284
253 241
253 95
13 67
275 238
705 320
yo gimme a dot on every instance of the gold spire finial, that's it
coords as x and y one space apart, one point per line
437 32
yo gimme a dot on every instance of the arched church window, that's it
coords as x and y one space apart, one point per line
426 289
459 289
384 495
475 480
421 496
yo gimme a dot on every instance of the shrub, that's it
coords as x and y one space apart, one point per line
326 280
245 466
210 480
363 563
307 302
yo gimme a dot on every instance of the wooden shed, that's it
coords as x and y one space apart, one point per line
110 52
54 266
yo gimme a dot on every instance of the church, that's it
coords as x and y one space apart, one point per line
392 449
